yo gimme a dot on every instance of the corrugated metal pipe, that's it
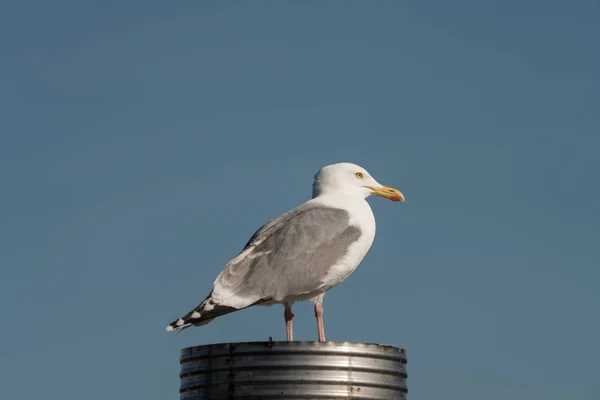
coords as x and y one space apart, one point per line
293 370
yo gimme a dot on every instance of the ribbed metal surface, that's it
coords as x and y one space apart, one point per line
293 370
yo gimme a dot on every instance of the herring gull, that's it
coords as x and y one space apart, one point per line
302 253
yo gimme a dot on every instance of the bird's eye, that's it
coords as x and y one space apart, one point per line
359 175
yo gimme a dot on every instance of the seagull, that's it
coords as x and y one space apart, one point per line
301 254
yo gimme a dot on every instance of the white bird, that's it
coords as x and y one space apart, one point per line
300 254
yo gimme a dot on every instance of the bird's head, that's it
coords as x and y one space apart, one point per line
352 180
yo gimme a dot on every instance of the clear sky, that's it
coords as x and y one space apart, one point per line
143 142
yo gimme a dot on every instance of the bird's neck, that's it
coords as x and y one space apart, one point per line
352 194
341 200
358 208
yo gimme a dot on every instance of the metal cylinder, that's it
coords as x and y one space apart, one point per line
293 370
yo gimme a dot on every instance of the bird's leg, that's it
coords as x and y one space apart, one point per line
289 317
319 315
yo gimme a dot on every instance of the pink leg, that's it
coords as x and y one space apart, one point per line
289 317
319 315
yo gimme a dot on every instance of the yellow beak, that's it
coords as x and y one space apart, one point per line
388 193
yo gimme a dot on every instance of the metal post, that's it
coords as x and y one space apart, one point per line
293 370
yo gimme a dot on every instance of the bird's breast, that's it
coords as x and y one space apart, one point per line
362 217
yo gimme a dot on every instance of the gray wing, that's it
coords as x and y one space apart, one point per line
289 255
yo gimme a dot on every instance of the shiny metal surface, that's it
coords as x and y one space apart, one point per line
293 370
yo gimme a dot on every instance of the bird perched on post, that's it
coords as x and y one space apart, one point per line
301 254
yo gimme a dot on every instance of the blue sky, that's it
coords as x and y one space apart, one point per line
143 142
